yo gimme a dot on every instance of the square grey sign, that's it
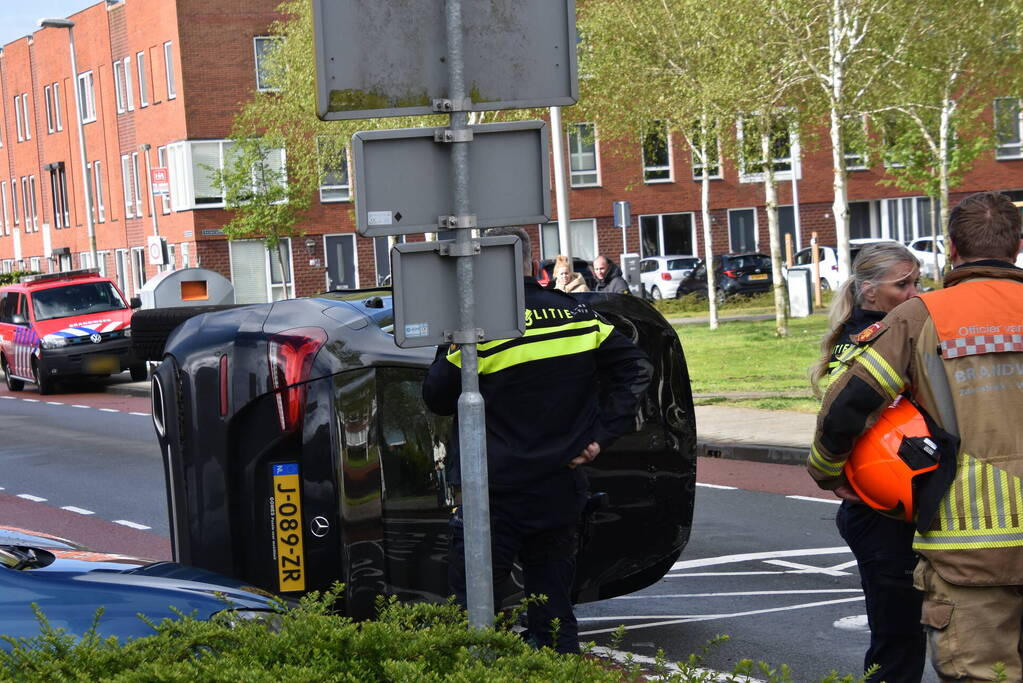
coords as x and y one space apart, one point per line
378 58
403 179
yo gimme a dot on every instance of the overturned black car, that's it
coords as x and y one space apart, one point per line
298 452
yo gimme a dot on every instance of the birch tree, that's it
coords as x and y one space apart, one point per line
966 58
646 61
848 48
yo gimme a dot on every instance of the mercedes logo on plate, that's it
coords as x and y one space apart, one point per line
96 337
319 526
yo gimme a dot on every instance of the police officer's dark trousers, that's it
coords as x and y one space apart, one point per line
540 528
883 550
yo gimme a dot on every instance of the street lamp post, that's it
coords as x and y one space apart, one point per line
86 180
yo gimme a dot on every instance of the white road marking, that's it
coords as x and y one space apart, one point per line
810 569
79 405
832 501
703 674
34 499
132 525
109 410
9 398
769 555
30 400
81 511
716 486
736 594
142 414
671 620
857 622
54 403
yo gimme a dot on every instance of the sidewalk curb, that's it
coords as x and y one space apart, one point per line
777 455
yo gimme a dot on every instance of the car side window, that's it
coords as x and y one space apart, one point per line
7 301
23 307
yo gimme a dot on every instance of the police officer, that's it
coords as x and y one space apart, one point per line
555 398
959 352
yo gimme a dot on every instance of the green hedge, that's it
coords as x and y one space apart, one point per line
14 276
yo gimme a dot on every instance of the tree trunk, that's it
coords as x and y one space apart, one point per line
708 247
840 206
943 136
284 273
771 197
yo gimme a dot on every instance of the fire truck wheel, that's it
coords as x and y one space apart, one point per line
12 383
45 384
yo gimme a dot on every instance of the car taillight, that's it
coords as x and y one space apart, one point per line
290 355
666 276
731 273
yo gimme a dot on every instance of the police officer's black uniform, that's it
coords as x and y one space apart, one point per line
543 407
883 548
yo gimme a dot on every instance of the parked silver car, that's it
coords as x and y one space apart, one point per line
660 275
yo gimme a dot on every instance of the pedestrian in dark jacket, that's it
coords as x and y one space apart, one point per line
609 276
555 399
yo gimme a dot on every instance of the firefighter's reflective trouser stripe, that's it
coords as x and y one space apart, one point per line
538 343
982 509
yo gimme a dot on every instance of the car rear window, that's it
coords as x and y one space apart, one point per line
748 262
84 299
681 263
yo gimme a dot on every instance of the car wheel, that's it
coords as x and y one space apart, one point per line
12 383
655 293
825 287
151 327
719 295
139 373
45 384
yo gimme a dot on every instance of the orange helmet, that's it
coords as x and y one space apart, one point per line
889 456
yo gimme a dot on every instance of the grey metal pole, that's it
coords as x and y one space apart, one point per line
144 148
560 191
87 179
471 419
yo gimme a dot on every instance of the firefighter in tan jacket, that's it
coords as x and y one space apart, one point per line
958 352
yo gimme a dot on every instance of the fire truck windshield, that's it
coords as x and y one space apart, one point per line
81 299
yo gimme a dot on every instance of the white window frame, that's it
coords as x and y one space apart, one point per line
127 185
670 168
98 206
33 203
793 159
168 63
140 63
138 268
33 264
288 286
17 117
698 167
87 96
136 186
3 200
119 96
578 228
14 202
914 218
185 254
346 188
122 269
24 111
1013 150
182 173
260 86
756 226
48 102
58 123
161 161
575 152
128 90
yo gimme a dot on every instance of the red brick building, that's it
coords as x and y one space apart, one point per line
160 82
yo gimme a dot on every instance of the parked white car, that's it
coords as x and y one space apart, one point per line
660 275
803 260
923 249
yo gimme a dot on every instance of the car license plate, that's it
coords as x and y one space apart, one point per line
758 276
101 364
286 516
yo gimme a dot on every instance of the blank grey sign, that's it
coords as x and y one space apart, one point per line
426 292
403 179
378 58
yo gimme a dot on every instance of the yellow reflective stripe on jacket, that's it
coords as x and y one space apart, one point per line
881 371
819 462
982 509
538 343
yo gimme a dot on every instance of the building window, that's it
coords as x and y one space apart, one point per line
1008 128
119 87
714 151
751 157
582 155
98 208
128 185
33 264
6 215
854 136
136 188
121 266
57 123
161 161
140 64
168 63
335 186
138 268
21 116
193 169
670 234
48 102
256 272
25 116
31 213
14 201
657 156
171 253
905 218
86 97
583 241
58 194
263 45
184 254
742 230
